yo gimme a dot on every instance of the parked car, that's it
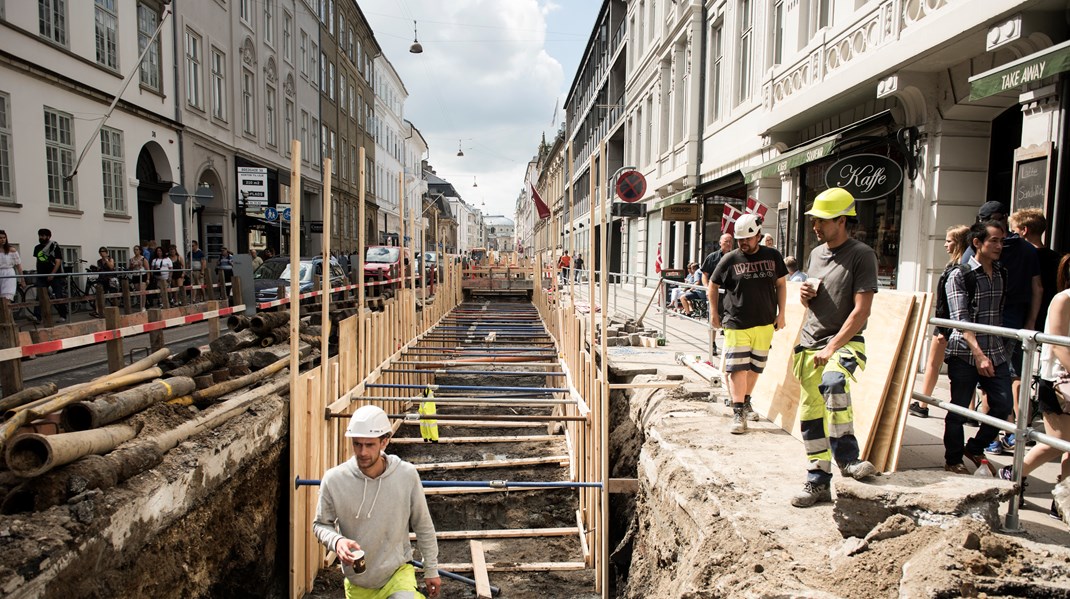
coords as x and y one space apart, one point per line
429 267
382 263
276 272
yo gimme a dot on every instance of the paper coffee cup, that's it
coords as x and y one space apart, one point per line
815 283
359 563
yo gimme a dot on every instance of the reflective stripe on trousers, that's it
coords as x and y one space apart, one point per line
826 418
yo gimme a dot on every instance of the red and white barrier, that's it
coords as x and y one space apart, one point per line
51 346
319 292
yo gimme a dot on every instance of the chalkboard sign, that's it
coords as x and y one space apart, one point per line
782 229
1032 177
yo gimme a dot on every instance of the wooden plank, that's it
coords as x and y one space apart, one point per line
479 570
516 567
623 485
556 459
654 385
488 439
582 531
501 533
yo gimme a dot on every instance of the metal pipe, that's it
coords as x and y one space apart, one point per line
451 372
494 591
474 400
467 388
479 484
477 417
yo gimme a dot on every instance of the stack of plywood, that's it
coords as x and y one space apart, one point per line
879 394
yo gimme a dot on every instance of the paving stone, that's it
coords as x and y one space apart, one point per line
928 497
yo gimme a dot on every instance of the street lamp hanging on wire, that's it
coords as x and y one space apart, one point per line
415 48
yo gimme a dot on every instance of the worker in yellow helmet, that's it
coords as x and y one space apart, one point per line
838 295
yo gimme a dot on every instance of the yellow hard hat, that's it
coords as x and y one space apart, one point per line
833 202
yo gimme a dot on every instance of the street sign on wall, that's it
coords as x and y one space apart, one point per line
252 189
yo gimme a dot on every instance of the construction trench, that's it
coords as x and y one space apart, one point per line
206 511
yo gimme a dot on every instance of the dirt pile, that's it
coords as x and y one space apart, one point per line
713 519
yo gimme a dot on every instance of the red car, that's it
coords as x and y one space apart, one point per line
381 263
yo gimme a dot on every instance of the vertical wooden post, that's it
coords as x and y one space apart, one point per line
164 288
44 304
362 305
112 321
325 282
209 283
298 528
156 341
213 323
100 299
10 370
128 302
235 291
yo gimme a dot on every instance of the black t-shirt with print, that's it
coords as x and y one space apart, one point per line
749 282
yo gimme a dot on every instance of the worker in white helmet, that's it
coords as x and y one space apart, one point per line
756 293
366 508
839 296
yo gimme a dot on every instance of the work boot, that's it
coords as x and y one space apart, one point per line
812 493
858 469
751 414
739 419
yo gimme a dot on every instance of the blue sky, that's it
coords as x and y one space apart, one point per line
490 75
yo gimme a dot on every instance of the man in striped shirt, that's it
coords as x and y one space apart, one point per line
976 295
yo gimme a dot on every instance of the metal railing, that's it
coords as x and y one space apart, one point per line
1021 427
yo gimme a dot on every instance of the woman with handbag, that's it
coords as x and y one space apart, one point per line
1053 392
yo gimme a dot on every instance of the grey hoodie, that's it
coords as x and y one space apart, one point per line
377 513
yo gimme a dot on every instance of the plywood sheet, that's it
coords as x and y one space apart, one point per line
776 395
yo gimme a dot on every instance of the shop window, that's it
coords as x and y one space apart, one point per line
879 220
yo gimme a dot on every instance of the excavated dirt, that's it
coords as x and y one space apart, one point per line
712 520
209 521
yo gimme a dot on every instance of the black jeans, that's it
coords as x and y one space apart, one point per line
964 380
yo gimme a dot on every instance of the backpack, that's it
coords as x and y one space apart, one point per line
969 279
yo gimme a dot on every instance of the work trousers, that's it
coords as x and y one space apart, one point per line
964 380
826 417
402 585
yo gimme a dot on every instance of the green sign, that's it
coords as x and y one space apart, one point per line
682 196
793 158
1032 68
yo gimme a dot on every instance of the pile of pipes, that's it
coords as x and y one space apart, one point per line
102 442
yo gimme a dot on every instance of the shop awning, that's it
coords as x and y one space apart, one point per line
1034 67
675 198
732 179
790 159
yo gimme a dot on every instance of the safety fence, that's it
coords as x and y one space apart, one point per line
1022 426
323 397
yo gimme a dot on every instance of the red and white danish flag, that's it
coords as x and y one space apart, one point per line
728 219
756 207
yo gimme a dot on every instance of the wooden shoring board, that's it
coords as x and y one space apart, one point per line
347 351
893 419
515 567
488 439
777 393
502 533
561 460
479 570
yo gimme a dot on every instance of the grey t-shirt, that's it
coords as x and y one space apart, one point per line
844 271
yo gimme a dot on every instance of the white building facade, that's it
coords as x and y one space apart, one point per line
64 64
390 149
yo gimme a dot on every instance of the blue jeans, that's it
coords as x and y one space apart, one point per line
964 379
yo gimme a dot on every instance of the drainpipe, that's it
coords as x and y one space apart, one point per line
701 124
178 118
1057 233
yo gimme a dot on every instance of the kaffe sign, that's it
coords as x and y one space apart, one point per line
865 176
1034 67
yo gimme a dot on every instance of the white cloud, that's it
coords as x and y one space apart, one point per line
485 76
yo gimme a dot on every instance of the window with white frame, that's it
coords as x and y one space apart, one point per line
342 31
350 45
121 256
111 166
304 53
72 256
713 75
269 116
342 90
330 16
288 131
778 32
248 107
305 142
313 54
107 34
323 70
317 150
746 50
818 15
287 37
330 81
344 160
7 171
219 85
52 20
245 10
194 95
148 19
269 22
59 158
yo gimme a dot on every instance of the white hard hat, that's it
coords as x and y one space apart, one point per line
748 225
368 422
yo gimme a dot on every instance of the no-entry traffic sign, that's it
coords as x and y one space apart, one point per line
631 186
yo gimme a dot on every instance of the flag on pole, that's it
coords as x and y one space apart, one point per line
728 219
543 209
657 260
756 207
